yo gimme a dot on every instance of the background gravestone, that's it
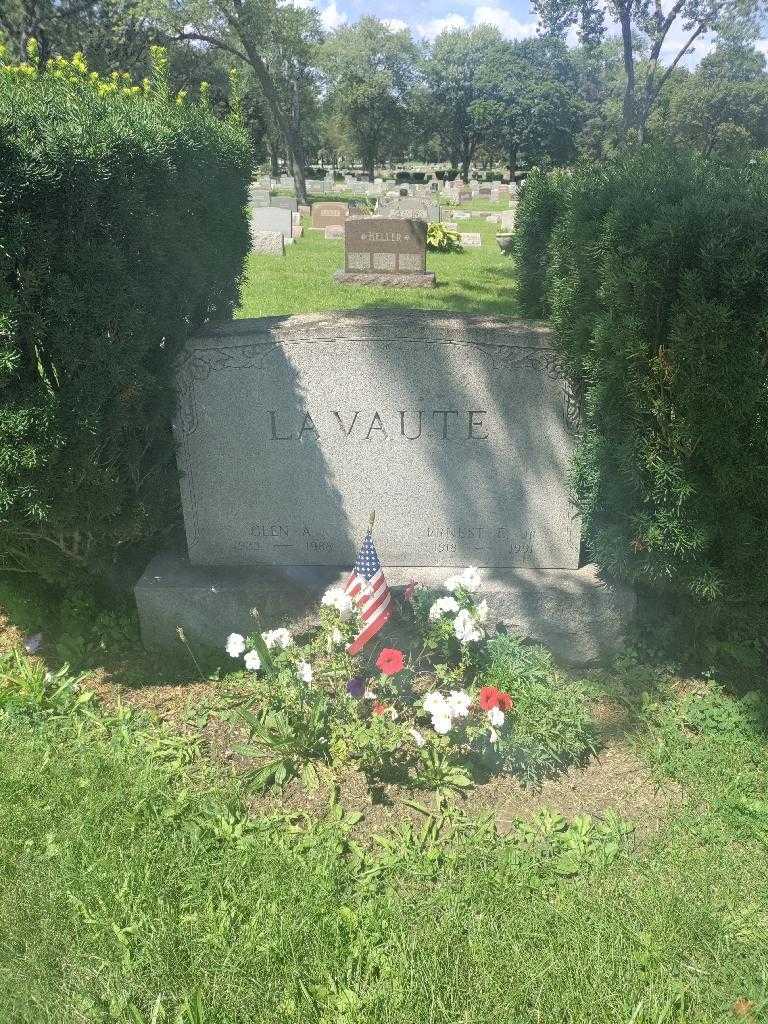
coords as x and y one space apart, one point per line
458 430
285 203
268 243
326 215
387 251
411 207
271 218
258 196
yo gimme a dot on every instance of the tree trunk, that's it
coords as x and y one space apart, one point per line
292 137
512 162
630 99
274 160
466 160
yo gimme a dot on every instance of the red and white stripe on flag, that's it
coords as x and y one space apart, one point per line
373 602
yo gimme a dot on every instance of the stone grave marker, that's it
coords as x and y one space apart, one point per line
326 215
386 251
335 232
305 211
268 243
421 207
464 195
507 220
471 239
258 196
485 191
297 231
450 225
285 203
272 218
458 430
461 215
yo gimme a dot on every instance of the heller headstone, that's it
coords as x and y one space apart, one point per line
471 239
386 251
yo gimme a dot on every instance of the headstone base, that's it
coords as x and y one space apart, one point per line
576 614
386 280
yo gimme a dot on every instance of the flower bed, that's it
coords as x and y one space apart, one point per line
465 700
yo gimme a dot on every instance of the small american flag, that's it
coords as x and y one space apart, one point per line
368 589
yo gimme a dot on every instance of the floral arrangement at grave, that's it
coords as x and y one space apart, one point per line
467 699
441 239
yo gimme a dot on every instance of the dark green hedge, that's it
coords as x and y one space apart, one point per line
122 229
656 272
541 200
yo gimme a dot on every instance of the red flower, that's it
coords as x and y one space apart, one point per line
390 661
488 698
491 697
378 708
505 701
410 590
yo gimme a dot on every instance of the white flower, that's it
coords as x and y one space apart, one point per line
235 645
481 611
370 695
277 638
458 703
435 704
442 606
337 637
469 580
496 717
252 661
417 738
335 597
442 722
493 736
466 629
305 671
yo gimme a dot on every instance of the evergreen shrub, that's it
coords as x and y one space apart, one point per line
657 285
122 230
539 206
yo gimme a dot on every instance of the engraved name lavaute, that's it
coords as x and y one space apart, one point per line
442 424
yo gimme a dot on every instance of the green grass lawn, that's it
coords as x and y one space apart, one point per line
478 281
135 888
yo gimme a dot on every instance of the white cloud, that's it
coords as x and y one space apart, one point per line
677 37
395 24
501 19
437 25
331 17
484 14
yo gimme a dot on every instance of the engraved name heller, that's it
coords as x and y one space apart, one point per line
443 424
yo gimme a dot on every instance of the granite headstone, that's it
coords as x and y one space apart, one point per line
386 250
325 215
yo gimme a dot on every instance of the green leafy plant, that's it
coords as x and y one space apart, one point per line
94 309
440 239
436 770
27 685
290 740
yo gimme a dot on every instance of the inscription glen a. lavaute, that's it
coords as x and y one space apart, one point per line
442 424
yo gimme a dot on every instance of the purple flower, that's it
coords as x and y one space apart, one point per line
32 644
356 687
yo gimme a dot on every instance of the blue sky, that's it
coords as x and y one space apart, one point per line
426 18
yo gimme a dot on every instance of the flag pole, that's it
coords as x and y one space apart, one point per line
371 521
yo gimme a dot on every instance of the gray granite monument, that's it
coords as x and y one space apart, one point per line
457 430
271 218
